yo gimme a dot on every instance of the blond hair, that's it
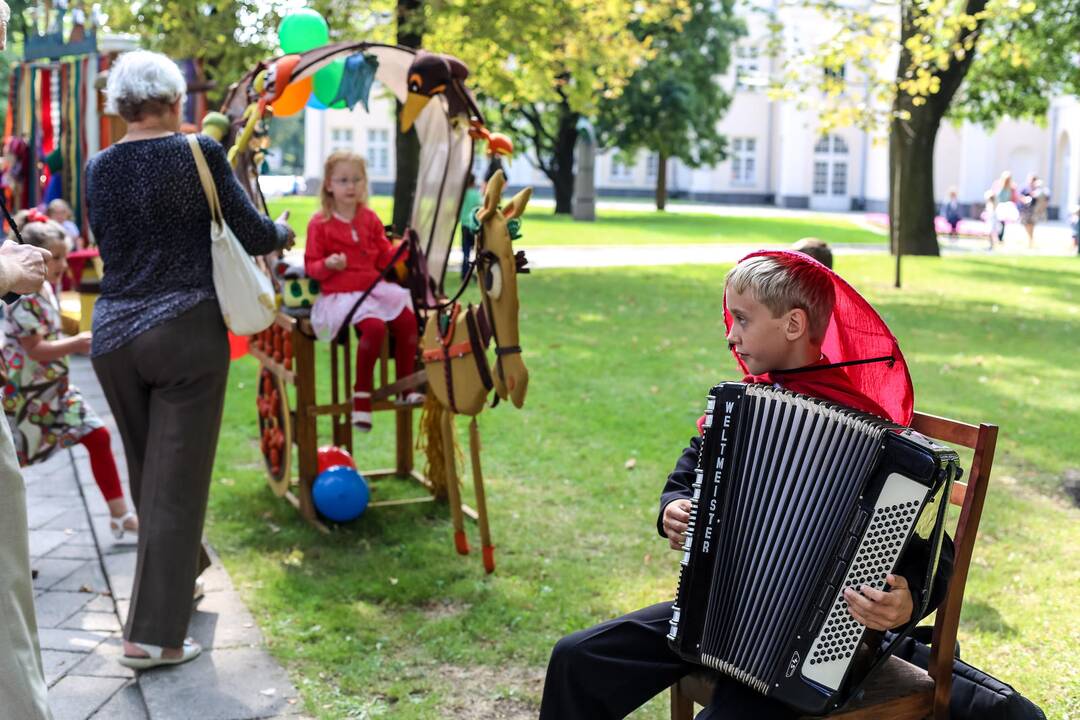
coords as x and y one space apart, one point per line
336 158
40 234
58 204
783 285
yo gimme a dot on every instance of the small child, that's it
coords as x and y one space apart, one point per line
469 203
45 411
61 212
950 210
815 248
346 251
779 310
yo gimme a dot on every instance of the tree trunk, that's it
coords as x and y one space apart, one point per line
661 181
406 145
911 198
562 162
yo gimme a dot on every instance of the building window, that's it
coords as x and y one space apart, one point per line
743 161
830 166
341 139
620 171
652 165
378 151
748 73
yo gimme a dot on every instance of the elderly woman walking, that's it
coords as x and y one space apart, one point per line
160 347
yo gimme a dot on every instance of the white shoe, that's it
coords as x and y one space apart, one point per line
191 650
116 524
412 398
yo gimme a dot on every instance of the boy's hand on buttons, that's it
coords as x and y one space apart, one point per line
880 610
676 518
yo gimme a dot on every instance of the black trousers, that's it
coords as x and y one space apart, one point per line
166 389
611 669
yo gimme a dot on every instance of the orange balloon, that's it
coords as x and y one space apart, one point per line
293 99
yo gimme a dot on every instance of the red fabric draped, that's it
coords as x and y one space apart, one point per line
856 332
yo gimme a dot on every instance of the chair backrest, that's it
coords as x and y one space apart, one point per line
970 496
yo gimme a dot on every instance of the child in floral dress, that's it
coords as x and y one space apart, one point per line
45 411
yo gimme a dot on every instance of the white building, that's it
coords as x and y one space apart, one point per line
777 155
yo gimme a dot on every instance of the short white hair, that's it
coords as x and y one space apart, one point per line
142 81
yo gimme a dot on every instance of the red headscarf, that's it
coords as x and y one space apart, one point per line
855 332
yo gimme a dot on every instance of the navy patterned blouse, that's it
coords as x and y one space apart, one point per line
151 221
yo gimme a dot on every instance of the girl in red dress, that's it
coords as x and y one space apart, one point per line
346 251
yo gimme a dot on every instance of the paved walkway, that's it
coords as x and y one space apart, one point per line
82 593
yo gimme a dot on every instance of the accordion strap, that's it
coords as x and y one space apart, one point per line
814 368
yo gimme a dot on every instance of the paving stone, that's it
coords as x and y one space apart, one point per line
222 621
120 567
220 685
83 620
90 575
53 570
102 603
43 542
71 519
127 704
215 578
53 608
39 515
77 698
80 641
57 664
74 551
102 662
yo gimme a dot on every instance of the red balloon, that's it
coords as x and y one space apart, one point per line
238 346
331 455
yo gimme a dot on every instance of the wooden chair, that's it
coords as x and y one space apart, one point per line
900 690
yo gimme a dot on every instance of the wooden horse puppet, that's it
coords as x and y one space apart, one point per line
454 348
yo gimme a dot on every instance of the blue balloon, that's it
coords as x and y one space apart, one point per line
315 103
340 493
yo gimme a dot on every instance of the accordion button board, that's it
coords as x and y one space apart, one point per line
794 500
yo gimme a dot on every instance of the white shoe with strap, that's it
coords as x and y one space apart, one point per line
155 656
118 525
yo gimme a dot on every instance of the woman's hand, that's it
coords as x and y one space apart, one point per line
336 261
22 267
290 234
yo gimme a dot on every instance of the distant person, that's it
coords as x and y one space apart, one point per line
1034 198
471 201
950 210
815 248
1076 226
60 212
989 216
1006 203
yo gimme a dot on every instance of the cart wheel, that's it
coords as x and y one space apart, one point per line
275 431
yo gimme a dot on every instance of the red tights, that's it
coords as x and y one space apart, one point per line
103 464
372 333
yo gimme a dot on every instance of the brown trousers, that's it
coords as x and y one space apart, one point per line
166 389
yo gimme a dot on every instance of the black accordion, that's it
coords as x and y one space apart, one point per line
795 499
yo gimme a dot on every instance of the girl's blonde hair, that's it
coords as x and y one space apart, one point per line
40 234
337 157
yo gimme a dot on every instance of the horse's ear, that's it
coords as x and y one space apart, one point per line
492 196
516 206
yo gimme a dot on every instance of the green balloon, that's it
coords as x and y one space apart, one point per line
303 30
327 81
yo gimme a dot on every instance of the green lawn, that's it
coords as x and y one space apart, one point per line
636 227
382 619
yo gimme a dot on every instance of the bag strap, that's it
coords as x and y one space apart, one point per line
207 181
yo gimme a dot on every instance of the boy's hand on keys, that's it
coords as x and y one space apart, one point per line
880 610
676 517
336 261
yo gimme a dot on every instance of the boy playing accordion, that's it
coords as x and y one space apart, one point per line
783 311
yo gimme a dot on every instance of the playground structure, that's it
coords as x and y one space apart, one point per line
437 103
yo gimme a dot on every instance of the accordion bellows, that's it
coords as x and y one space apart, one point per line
795 499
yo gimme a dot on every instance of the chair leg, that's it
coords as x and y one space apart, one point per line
682 707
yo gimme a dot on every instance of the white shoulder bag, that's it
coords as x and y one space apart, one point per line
244 292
